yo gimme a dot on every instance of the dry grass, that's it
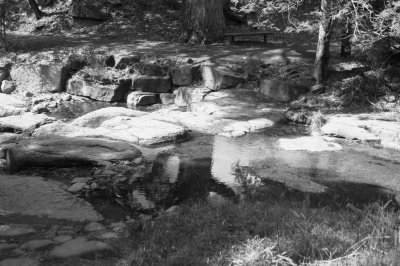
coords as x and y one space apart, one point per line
268 230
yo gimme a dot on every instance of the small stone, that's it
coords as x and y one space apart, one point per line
92 227
318 89
40 108
172 210
108 236
141 99
138 160
66 97
13 230
81 180
118 227
19 262
94 185
36 245
8 86
62 239
79 247
76 188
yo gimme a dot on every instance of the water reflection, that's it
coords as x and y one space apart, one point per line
191 170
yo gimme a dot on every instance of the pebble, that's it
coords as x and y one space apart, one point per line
92 227
36 245
79 247
10 230
62 239
77 187
19 262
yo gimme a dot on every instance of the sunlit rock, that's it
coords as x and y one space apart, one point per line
314 144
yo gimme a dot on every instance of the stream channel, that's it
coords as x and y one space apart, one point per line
205 165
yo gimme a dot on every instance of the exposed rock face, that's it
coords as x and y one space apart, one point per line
185 75
110 92
187 95
9 105
283 91
62 151
26 122
218 77
37 197
88 10
79 247
95 118
138 98
152 84
369 128
39 78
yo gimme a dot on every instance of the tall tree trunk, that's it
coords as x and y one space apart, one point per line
203 21
345 50
324 39
35 9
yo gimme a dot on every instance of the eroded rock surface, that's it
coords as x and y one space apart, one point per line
37 197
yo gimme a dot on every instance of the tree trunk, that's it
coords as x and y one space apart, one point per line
35 9
324 38
345 50
203 21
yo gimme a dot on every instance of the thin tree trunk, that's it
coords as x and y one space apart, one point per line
35 9
324 38
345 50
203 21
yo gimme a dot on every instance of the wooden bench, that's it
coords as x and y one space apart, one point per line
249 33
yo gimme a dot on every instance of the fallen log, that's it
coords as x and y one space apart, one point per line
67 151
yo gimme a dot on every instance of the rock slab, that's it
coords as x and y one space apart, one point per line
79 247
36 197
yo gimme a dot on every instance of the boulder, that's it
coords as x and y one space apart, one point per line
78 85
8 86
123 61
313 144
153 69
88 10
138 98
152 84
218 77
38 78
143 130
187 95
167 98
79 247
184 75
62 151
280 90
35 196
24 123
95 118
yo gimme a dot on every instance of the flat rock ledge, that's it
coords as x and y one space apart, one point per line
34 196
375 129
